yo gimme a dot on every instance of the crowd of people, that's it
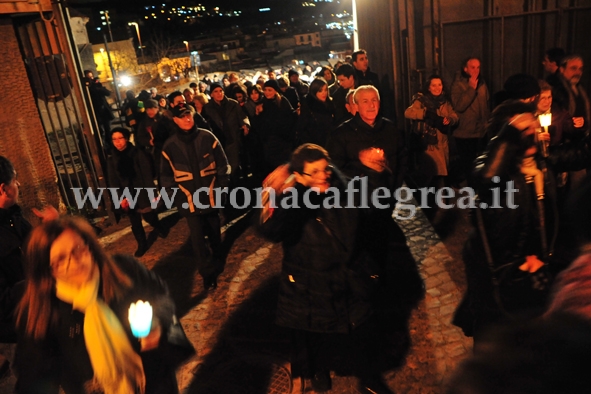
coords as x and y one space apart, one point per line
346 273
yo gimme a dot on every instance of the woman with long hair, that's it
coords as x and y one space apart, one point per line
433 115
74 331
316 115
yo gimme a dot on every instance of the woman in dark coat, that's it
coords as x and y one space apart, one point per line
275 121
326 277
74 332
316 115
130 167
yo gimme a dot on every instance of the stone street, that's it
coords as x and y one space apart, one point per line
239 348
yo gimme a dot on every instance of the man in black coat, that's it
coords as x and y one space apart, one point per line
364 76
369 130
229 123
346 77
194 161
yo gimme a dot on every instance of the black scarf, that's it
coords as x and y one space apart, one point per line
431 102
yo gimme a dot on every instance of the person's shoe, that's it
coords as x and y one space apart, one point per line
210 282
141 250
321 382
374 386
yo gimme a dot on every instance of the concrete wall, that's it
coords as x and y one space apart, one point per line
22 138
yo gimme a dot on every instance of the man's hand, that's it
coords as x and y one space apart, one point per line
245 129
258 109
579 122
47 213
125 204
279 179
532 264
473 81
544 136
373 158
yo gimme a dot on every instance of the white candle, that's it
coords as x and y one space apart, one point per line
545 119
140 318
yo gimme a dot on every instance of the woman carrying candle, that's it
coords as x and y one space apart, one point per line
74 332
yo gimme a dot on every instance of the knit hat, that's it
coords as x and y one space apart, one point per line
214 86
293 72
521 86
272 83
150 104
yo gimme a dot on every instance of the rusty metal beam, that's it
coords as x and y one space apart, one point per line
24 6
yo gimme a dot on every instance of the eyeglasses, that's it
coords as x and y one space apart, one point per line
328 170
63 261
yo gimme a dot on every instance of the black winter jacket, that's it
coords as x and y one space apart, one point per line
353 136
316 121
276 127
194 160
325 282
132 168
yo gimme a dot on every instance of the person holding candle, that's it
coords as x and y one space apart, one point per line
74 332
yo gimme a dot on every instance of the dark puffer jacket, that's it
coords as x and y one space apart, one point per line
192 160
325 283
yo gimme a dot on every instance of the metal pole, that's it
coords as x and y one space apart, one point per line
113 72
108 25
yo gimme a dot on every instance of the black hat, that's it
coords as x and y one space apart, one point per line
292 72
180 110
150 104
272 83
521 86
215 85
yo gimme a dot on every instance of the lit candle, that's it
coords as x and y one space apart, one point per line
545 120
140 318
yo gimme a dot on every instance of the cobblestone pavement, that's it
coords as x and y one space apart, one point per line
239 348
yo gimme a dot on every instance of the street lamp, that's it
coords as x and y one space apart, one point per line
186 44
107 22
139 37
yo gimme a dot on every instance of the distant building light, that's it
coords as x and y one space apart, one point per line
264 9
104 23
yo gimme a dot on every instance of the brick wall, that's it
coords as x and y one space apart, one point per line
22 138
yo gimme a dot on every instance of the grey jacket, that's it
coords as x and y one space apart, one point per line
471 105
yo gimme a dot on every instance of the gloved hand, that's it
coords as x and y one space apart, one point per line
434 120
